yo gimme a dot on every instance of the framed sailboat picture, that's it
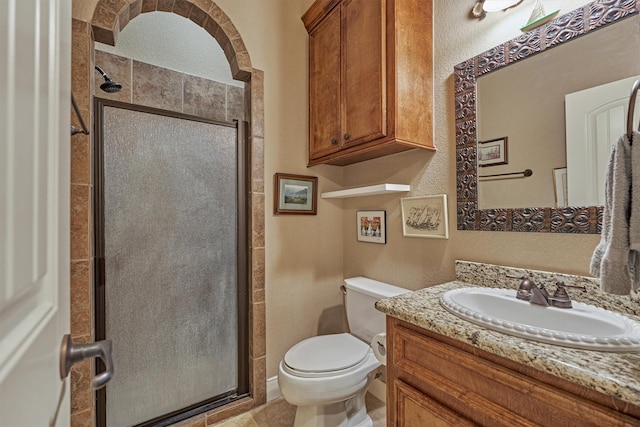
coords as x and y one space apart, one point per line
425 216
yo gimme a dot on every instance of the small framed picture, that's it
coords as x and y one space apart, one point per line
372 226
493 152
425 216
560 187
295 194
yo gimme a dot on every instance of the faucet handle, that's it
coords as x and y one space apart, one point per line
572 285
560 297
524 290
525 284
561 292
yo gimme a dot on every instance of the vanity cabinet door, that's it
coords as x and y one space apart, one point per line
414 409
324 86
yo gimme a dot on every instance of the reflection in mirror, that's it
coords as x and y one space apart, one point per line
526 103
533 124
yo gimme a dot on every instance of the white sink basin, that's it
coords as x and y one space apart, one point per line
583 326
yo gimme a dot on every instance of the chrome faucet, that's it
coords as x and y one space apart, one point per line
529 291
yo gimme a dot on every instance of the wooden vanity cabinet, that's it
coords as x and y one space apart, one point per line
370 78
433 380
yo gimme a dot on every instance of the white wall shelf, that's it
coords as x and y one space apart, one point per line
372 190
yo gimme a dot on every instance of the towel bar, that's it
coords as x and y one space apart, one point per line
632 106
525 173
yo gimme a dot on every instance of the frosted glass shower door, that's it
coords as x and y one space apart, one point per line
170 209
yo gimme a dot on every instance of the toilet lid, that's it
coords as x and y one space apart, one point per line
326 353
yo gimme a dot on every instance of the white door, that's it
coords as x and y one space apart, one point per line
35 62
595 118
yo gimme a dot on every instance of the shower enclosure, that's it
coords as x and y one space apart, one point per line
171 263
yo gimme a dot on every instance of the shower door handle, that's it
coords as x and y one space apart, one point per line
71 354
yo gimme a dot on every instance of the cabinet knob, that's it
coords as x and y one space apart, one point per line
346 136
334 141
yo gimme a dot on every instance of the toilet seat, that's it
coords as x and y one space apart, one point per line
325 355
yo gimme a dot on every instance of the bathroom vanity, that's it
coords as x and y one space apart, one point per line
443 370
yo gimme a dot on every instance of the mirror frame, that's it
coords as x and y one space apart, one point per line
581 219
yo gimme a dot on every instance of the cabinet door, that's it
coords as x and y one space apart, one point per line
324 86
414 409
364 68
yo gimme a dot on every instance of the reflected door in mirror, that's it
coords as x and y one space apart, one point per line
595 117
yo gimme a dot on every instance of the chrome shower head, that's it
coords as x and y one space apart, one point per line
109 85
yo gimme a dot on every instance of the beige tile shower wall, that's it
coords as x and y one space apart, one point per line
152 86
418 262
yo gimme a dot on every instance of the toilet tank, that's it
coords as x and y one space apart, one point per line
362 293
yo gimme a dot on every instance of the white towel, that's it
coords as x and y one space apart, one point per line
610 259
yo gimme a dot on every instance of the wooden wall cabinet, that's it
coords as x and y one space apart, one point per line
436 381
370 78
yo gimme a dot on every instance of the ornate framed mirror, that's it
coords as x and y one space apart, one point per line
573 28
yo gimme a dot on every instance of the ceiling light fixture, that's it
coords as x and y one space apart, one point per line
483 6
498 5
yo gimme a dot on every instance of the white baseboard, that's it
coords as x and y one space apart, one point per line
379 390
273 391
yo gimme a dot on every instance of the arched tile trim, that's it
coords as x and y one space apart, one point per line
111 16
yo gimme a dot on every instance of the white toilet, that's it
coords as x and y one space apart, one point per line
327 376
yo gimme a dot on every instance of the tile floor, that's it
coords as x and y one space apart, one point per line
279 413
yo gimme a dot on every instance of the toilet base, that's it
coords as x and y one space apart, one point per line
349 413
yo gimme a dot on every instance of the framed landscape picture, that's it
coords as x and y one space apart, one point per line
295 194
493 152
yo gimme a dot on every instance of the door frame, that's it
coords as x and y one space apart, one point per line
242 260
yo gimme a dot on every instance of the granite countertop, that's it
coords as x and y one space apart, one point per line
612 374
